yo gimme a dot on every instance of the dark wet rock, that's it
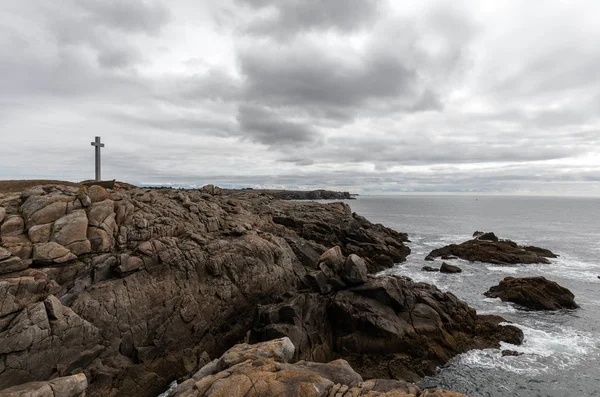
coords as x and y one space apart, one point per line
389 326
485 236
355 270
429 269
536 293
501 252
512 353
448 257
446 268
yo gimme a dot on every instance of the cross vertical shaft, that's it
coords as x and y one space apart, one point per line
97 144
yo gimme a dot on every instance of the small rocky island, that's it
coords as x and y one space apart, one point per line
486 247
536 293
119 292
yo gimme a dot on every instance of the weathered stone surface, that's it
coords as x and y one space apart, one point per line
37 334
536 293
199 290
12 264
355 270
13 225
51 252
98 193
270 377
2 214
70 231
387 325
502 252
130 263
40 233
100 211
20 288
332 259
278 349
334 224
447 268
4 254
18 245
38 209
68 386
100 240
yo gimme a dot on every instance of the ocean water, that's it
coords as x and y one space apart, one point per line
561 349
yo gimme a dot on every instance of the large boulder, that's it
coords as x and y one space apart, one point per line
535 293
51 252
70 231
486 247
12 226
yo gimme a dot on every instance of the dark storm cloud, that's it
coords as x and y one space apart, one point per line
265 126
291 17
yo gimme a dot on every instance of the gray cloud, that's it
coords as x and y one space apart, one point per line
359 95
290 17
265 126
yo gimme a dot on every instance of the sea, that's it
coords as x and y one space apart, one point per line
561 350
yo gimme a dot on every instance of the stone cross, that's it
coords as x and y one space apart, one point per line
98 145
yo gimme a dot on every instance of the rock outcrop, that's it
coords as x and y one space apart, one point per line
386 327
263 370
68 386
138 287
535 293
486 247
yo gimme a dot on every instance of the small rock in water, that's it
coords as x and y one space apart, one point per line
446 268
511 353
429 269
535 293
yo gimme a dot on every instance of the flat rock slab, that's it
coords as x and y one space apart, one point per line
501 252
535 293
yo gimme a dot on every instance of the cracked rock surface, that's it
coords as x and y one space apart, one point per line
138 287
135 288
264 371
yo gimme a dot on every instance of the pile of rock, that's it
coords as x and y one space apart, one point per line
337 272
383 326
264 370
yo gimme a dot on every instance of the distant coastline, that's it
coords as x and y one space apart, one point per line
303 194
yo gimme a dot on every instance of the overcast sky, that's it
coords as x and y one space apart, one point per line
360 95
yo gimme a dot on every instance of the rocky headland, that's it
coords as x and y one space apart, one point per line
135 288
486 247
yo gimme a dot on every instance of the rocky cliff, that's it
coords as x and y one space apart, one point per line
136 287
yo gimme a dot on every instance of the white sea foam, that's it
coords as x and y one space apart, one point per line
543 351
504 269
171 388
